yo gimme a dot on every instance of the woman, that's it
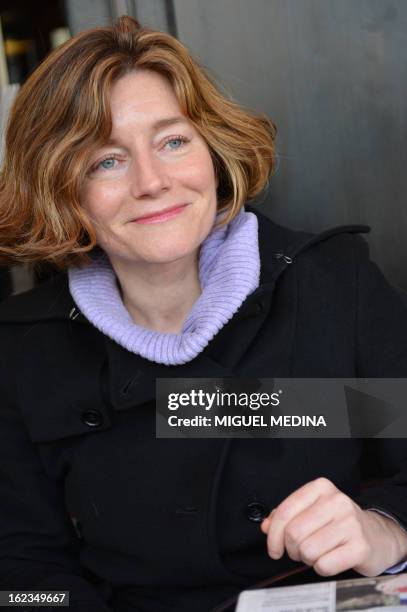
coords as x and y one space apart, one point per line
128 170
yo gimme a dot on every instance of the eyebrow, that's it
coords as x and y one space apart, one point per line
157 125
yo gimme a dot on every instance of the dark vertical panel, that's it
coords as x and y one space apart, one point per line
171 18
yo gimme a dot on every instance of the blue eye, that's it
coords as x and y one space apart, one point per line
105 164
178 141
108 163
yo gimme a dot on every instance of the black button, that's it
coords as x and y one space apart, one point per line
256 512
92 418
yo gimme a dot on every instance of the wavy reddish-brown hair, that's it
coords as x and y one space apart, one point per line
61 115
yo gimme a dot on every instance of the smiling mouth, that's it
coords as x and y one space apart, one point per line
162 215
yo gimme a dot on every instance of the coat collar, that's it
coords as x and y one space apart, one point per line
52 301
132 378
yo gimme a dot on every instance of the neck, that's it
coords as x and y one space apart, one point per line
156 295
229 269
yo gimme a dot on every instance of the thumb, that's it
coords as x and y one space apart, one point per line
265 524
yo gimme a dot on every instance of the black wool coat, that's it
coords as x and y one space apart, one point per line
93 503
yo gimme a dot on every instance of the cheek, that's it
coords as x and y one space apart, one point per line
208 177
87 199
100 204
198 171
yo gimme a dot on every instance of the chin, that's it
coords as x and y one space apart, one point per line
175 250
169 256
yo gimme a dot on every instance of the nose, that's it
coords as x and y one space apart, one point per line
148 177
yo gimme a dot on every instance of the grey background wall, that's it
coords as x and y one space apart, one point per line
333 76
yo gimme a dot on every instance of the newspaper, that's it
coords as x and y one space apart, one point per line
385 592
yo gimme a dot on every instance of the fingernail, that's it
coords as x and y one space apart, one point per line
274 554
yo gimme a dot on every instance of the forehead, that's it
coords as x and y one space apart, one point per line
143 97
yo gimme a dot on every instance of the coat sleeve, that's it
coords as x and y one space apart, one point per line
39 549
381 348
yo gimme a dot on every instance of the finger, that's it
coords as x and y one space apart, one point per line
339 560
305 525
324 511
293 505
265 524
323 541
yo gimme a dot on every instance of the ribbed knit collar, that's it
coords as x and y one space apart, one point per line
229 270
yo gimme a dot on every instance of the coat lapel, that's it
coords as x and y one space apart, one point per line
57 394
132 379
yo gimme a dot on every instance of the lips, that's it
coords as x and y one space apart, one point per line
161 215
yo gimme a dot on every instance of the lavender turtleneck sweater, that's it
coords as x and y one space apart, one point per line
229 270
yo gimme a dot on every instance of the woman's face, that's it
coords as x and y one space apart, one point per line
150 192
